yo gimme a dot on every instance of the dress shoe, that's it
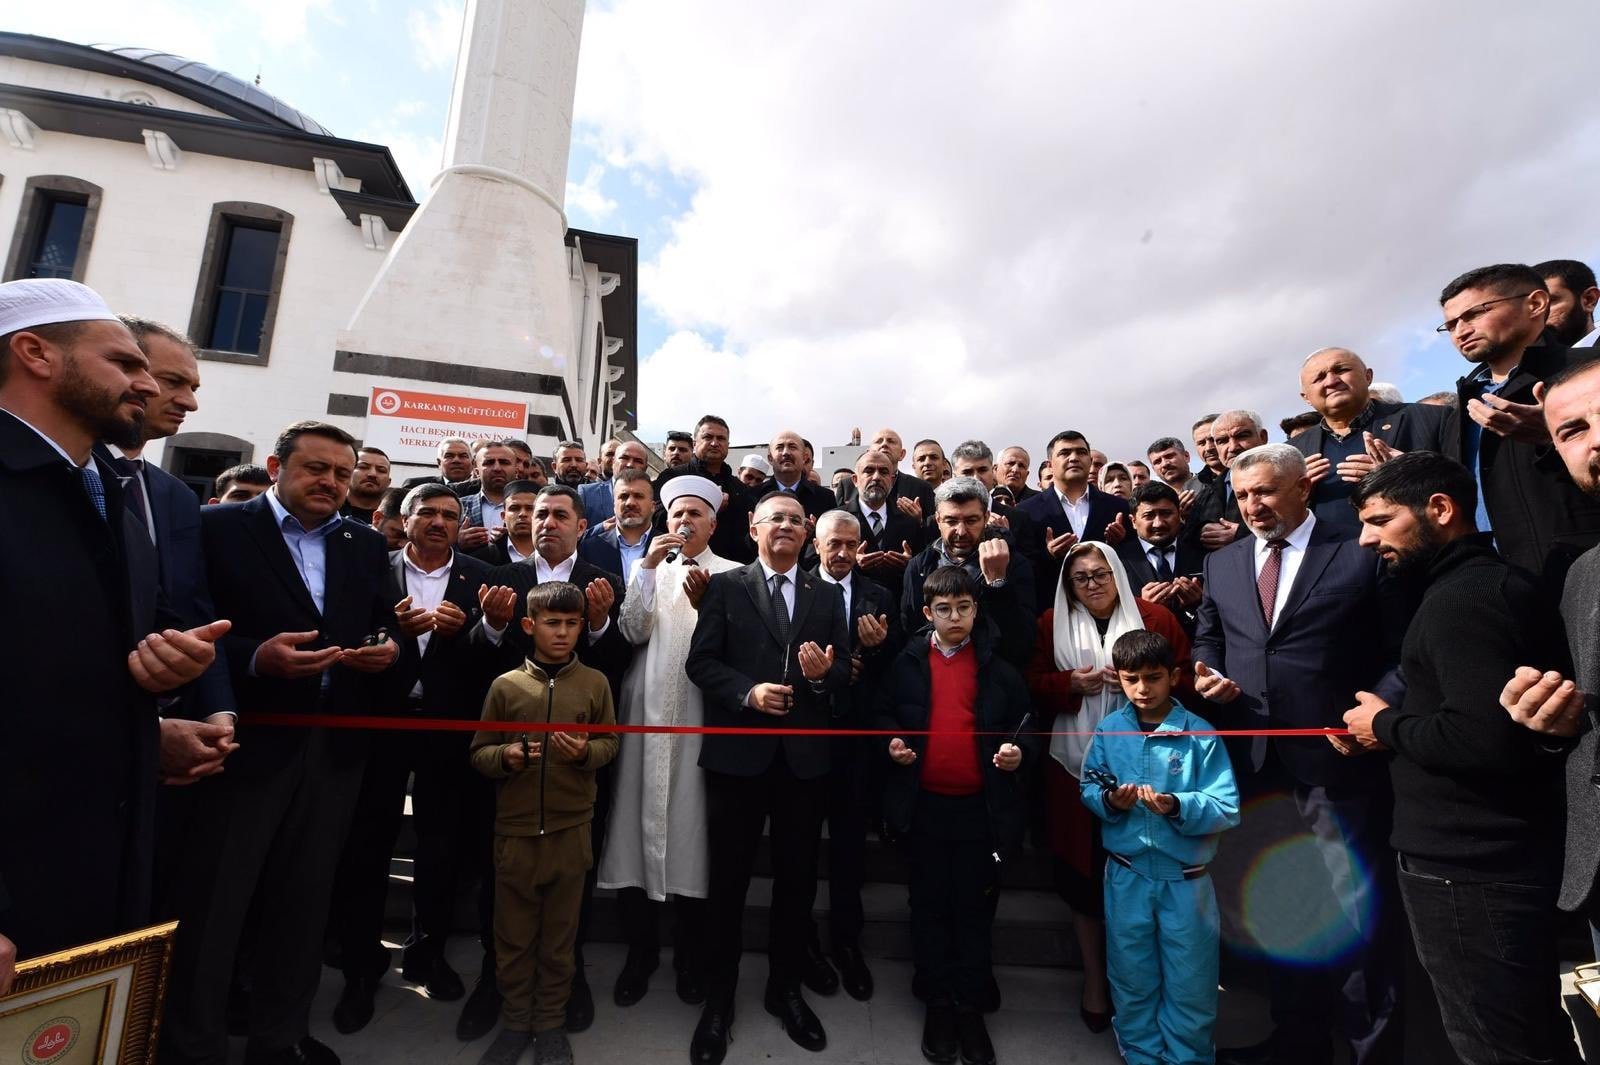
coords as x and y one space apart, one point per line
580 1004
853 972
802 1026
552 1048
507 1048
634 979
941 1039
306 1052
482 1010
444 984
1096 1021
816 973
712 1035
354 1009
974 1037
691 987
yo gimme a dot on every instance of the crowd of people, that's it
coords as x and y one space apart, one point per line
1393 617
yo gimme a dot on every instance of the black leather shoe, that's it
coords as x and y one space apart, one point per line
853 972
634 979
974 1037
580 1004
354 1009
941 1039
306 1052
482 1011
444 984
801 1025
712 1035
691 987
816 973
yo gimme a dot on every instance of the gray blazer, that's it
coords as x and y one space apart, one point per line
1580 609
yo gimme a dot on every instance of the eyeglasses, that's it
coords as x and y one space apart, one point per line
946 611
1472 314
1084 580
781 520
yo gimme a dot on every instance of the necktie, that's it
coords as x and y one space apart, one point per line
93 485
1267 583
1158 557
132 471
780 609
876 523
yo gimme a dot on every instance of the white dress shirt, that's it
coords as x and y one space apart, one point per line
1077 513
1170 553
631 554
1293 555
144 482
1589 339
562 571
427 589
846 586
883 519
788 585
513 554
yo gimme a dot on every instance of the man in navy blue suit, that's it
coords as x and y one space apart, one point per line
196 723
1293 624
1070 511
619 548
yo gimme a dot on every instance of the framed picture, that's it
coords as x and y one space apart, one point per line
98 1004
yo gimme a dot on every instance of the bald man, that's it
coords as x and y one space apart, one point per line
597 499
904 489
1356 432
787 453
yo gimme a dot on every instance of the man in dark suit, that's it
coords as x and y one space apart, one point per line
1161 567
769 648
889 536
731 538
1541 521
1214 520
1293 624
973 458
558 524
854 770
1074 510
1015 468
76 869
305 591
619 549
455 468
1355 431
988 553
910 495
449 624
786 452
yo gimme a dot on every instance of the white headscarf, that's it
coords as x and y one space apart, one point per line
1077 643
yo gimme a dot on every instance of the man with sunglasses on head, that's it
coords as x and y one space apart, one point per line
1496 317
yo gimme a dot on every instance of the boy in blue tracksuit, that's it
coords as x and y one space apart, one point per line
1163 798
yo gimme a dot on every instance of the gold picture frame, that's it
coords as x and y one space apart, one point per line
98 1004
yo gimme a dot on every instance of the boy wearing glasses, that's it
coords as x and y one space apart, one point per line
1164 796
955 795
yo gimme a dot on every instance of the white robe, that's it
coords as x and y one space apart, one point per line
657 835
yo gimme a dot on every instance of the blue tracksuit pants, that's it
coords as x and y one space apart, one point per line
1161 957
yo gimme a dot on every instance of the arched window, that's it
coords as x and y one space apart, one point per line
241 277
55 229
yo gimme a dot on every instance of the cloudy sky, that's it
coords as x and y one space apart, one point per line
998 219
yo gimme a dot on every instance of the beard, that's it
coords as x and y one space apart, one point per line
873 496
99 409
572 478
1574 329
1418 553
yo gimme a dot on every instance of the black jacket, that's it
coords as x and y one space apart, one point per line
1141 571
1048 516
78 736
813 497
1541 520
904 486
855 705
455 672
1011 607
610 654
1474 790
736 646
1002 703
1403 426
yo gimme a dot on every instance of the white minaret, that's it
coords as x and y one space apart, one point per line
481 276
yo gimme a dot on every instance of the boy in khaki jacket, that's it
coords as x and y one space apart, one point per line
545 800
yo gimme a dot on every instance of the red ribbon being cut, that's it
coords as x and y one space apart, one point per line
450 724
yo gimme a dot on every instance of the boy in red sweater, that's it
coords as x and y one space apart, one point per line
955 795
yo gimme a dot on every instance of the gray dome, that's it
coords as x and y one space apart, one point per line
222 81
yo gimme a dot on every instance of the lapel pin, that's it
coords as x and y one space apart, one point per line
1386 428
347 535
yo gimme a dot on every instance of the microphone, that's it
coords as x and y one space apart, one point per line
683 530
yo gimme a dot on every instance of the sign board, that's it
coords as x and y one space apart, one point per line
409 425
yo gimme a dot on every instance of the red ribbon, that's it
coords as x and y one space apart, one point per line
450 724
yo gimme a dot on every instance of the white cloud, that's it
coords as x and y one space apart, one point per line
284 22
587 205
436 34
1005 218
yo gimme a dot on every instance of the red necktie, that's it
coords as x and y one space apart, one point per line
1267 582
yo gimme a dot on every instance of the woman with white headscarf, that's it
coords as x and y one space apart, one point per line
1074 686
